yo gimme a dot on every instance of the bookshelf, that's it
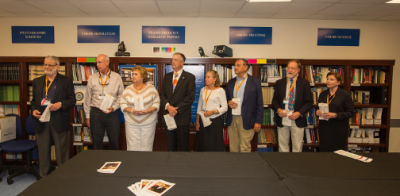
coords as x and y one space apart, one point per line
160 142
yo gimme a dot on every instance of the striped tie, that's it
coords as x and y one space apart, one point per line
175 81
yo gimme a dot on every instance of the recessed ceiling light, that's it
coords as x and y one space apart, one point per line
269 1
393 1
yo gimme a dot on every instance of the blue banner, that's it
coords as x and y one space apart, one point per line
250 35
338 37
163 34
198 72
32 34
98 34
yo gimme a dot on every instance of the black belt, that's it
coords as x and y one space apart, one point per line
95 108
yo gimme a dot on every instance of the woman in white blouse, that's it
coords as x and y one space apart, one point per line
140 103
212 104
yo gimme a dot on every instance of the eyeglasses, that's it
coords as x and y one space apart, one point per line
48 65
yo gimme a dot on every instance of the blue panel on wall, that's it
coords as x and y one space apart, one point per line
163 34
32 34
338 37
98 34
250 35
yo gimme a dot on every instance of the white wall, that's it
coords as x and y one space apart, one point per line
290 39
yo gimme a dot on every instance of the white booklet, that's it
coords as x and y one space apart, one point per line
109 167
46 115
238 109
324 108
206 120
170 121
285 120
107 102
139 105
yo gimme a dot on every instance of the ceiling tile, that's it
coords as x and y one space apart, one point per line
217 15
220 6
135 14
179 6
17 6
345 9
180 14
364 1
290 16
107 14
397 17
54 6
326 17
71 15
318 1
7 14
137 6
40 15
360 17
304 8
384 9
95 6
246 15
262 8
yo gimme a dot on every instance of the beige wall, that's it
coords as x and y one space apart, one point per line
290 39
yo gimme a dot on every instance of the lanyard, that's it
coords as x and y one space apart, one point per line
291 88
205 96
327 98
47 87
101 80
238 87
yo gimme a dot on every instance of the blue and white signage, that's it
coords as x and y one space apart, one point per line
163 34
32 34
250 35
98 34
198 72
338 37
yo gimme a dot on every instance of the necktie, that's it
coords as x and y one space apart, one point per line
175 81
291 96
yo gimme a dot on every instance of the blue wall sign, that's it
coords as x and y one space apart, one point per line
163 34
198 72
98 34
250 35
32 34
338 37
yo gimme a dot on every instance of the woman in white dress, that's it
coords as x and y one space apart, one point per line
212 104
140 103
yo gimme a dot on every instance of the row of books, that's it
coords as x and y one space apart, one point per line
369 136
312 117
9 71
366 76
264 148
82 72
267 94
9 109
127 74
272 73
360 97
319 74
225 73
226 136
80 149
79 114
9 93
35 71
367 116
311 136
353 149
269 117
316 91
268 136
83 134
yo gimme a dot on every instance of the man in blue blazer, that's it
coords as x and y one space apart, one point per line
57 91
292 100
243 91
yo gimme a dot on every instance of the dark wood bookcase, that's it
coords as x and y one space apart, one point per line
160 140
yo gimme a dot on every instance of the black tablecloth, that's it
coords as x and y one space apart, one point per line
385 166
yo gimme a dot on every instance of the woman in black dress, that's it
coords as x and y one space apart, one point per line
333 132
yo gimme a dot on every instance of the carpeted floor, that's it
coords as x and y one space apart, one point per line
20 183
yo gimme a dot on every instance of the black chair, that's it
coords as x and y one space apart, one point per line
18 129
21 146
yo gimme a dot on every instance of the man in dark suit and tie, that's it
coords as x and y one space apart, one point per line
177 95
243 91
56 92
292 100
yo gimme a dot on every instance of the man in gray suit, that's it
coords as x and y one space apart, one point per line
56 92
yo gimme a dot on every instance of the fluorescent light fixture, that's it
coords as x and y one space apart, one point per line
251 1
393 1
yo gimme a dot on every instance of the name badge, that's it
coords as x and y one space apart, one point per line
45 102
102 95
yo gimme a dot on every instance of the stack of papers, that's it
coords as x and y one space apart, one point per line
150 187
109 167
